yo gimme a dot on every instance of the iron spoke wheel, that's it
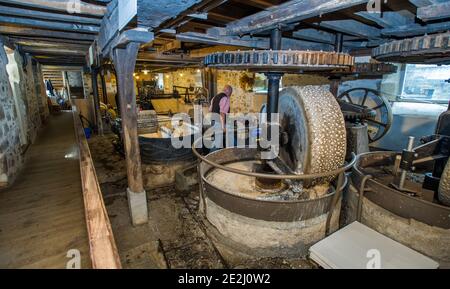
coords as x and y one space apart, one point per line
370 98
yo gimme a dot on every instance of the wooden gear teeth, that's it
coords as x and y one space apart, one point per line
279 60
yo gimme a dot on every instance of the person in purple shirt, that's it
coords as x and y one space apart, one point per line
221 104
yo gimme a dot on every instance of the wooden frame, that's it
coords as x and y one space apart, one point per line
103 250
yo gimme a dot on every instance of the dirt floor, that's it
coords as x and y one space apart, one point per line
176 235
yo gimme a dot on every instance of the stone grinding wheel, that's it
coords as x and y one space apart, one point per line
316 128
444 186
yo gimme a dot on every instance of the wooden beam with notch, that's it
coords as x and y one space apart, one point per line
286 13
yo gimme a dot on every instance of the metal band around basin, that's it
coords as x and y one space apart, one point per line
393 200
267 210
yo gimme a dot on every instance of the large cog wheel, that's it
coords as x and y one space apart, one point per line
279 60
424 49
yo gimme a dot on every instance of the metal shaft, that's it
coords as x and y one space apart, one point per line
273 93
403 175
339 42
275 39
273 90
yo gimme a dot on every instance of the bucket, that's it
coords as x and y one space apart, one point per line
87 132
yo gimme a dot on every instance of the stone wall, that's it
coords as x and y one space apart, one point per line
183 77
34 119
303 80
23 110
242 100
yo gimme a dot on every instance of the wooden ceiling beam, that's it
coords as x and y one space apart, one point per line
315 35
43 44
23 31
49 24
157 57
352 27
19 39
416 29
52 51
261 4
67 6
250 42
389 19
202 52
286 13
28 13
434 12
183 17
221 17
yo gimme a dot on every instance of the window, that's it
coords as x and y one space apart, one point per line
430 83
260 84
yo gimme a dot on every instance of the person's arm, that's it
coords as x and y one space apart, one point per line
224 108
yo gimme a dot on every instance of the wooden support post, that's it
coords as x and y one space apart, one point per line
124 58
104 90
211 82
97 113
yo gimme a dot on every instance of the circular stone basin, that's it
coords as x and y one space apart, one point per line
157 147
419 224
247 186
265 222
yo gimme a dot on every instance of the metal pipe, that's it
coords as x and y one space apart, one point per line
341 183
273 90
339 42
273 176
273 93
361 191
275 39
403 175
200 186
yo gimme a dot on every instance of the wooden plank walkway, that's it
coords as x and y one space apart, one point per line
42 214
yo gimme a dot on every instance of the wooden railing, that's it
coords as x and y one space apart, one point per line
103 250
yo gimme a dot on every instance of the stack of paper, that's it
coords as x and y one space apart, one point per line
359 247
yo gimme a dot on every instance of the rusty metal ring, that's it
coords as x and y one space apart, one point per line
273 176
